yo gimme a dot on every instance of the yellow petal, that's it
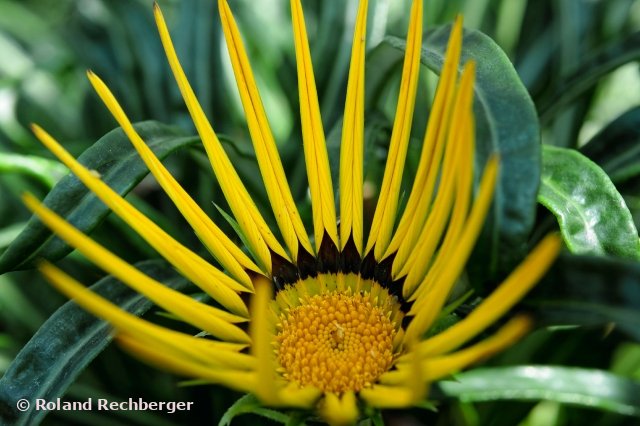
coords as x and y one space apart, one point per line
208 352
383 396
220 286
214 321
435 138
519 282
419 257
351 148
242 381
262 338
464 178
258 235
273 175
438 367
385 213
292 395
339 409
224 250
433 291
315 150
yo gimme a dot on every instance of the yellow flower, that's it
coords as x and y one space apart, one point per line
336 321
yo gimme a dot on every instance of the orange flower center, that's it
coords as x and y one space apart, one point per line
336 341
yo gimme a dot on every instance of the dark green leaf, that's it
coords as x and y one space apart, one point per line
593 217
506 124
249 404
120 167
590 290
575 386
588 73
616 148
66 343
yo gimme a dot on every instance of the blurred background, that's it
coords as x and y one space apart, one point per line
577 58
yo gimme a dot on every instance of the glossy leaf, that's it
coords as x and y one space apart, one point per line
44 170
593 217
66 343
249 404
590 290
575 386
118 163
506 124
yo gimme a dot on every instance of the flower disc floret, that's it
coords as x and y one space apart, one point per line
335 341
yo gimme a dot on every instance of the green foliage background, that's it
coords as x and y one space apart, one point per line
578 60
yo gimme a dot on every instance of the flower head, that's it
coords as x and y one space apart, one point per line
338 318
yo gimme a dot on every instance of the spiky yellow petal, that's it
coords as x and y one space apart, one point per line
273 175
224 250
351 148
212 320
208 352
426 308
435 139
315 150
438 367
243 381
386 209
220 286
519 282
340 409
383 396
261 348
431 233
256 231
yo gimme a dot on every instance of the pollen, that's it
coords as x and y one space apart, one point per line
335 341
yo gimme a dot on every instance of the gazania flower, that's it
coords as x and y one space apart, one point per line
338 319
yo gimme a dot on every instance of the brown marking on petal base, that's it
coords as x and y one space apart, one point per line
284 272
328 256
306 263
350 259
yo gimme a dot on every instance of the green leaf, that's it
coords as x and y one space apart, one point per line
616 148
66 343
46 171
575 386
593 217
587 74
590 290
120 167
249 404
506 124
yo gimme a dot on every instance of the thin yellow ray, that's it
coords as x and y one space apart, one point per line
208 352
426 308
438 367
340 409
464 179
243 381
273 175
419 201
315 150
290 395
220 286
256 231
456 179
213 320
352 145
223 249
262 338
386 209
385 396
519 282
